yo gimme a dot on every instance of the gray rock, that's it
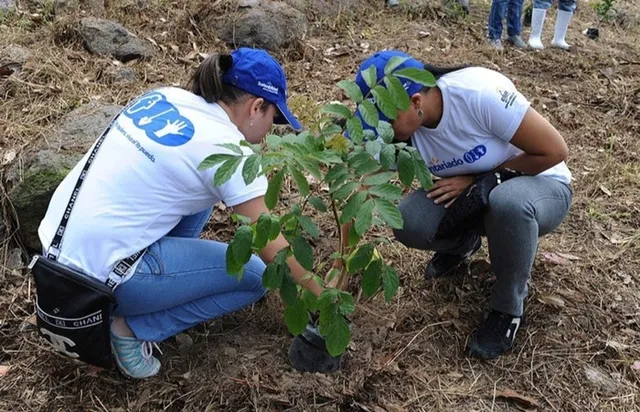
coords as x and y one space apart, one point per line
81 127
7 4
31 196
268 25
14 53
320 9
108 38
31 183
122 75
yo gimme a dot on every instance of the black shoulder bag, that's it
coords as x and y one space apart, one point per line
467 210
72 307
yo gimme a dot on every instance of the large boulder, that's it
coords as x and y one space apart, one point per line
270 25
109 38
32 182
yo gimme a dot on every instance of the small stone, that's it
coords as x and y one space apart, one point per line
14 260
7 4
600 380
122 75
230 352
15 53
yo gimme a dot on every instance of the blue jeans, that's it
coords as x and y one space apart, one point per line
564 5
513 10
182 281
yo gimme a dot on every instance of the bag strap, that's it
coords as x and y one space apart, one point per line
121 268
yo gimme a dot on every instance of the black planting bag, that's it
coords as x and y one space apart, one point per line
467 210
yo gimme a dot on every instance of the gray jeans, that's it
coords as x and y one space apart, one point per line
521 210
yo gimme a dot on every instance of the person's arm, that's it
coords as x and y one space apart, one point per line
542 144
253 209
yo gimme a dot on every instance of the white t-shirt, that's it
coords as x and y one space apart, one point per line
144 179
481 112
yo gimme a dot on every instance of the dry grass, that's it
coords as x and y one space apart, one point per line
408 355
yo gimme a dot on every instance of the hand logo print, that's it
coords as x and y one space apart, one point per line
160 120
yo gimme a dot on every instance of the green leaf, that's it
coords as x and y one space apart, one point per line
370 76
310 300
214 159
364 217
338 336
335 172
389 213
353 206
273 190
353 238
351 89
296 317
393 63
406 170
360 258
373 147
310 166
301 181
390 282
272 277
385 131
417 75
422 171
347 304
309 226
233 267
233 147
303 252
274 230
273 141
251 168
240 218
369 113
368 166
385 102
378 178
241 244
327 157
263 226
318 204
345 190
337 109
326 299
371 278
400 97
387 191
288 289
388 156
354 126
226 170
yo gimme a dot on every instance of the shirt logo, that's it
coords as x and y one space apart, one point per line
436 166
268 87
508 98
475 153
160 120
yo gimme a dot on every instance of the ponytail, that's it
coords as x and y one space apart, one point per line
441 71
207 83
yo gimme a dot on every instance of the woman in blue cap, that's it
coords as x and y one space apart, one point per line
474 121
144 192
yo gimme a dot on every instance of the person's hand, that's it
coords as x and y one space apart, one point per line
448 189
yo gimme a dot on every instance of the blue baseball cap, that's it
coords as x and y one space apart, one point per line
256 72
380 60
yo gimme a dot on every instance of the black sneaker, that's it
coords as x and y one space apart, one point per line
443 264
496 335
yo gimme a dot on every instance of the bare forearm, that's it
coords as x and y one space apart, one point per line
298 273
532 164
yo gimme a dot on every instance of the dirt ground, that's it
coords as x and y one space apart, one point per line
583 311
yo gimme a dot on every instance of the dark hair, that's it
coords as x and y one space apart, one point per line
207 82
441 71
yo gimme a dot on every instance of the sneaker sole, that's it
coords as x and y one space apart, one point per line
454 268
